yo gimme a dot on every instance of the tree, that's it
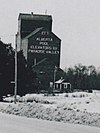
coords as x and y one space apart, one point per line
83 77
92 77
27 79
6 68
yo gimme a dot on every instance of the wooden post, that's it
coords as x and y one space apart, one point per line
15 90
55 70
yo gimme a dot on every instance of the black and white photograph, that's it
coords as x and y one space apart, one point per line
50 66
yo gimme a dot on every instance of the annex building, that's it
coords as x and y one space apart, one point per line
40 46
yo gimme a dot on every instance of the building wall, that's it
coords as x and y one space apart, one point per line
25 47
41 47
29 22
18 43
44 46
19 37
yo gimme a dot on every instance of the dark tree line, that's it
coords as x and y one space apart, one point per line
6 68
83 77
26 77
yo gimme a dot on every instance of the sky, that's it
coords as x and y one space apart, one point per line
75 22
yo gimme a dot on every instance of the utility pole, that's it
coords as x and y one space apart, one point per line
55 70
15 90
